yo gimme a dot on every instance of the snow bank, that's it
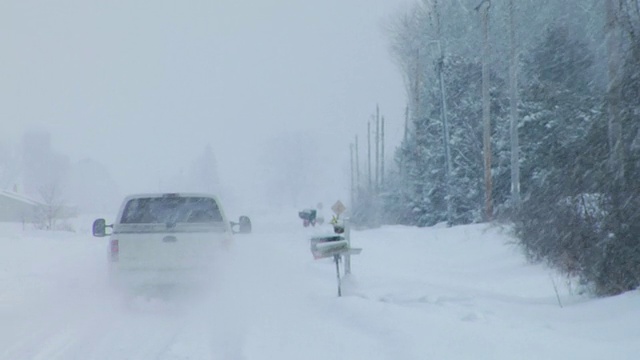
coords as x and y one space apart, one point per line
436 293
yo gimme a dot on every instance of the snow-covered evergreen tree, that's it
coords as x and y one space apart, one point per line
463 85
559 134
579 129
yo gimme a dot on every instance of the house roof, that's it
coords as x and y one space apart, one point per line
19 197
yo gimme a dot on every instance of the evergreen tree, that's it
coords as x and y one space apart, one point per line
464 106
618 262
559 138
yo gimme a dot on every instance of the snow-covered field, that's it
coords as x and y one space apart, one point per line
435 293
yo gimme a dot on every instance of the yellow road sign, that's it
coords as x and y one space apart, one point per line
338 208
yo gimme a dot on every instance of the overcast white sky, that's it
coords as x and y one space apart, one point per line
143 86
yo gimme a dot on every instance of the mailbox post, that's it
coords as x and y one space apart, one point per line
347 236
333 246
336 245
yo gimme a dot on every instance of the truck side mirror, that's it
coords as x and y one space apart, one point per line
244 225
100 228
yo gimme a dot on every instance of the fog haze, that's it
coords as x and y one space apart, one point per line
143 87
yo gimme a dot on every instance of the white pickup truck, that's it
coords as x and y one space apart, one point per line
167 239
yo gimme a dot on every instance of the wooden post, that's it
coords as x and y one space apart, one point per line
352 190
347 236
513 103
369 154
405 136
382 153
445 122
616 152
357 170
377 140
486 109
405 139
336 259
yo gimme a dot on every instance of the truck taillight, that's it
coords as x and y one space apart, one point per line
114 249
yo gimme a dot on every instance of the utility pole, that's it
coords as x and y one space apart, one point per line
405 139
513 103
616 154
382 153
357 169
369 154
352 176
486 119
406 124
377 183
417 107
445 122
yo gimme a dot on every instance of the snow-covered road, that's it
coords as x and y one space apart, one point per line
437 293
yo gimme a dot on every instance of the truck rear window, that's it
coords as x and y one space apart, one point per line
171 210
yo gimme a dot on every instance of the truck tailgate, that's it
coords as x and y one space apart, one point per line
176 250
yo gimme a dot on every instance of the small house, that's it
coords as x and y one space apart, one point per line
16 207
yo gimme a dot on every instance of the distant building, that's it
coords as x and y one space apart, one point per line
16 207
